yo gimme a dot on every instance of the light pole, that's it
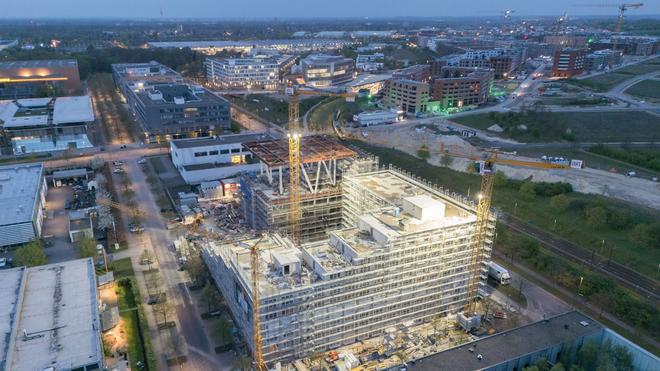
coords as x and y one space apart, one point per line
580 286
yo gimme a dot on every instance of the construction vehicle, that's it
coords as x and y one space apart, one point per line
294 137
499 273
623 7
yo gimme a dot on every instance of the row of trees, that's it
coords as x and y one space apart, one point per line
591 356
647 158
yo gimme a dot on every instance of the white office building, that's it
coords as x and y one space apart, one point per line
22 196
257 72
212 158
370 62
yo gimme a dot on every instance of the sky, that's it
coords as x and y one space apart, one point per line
304 8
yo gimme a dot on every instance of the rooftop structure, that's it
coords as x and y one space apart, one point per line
22 195
29 123
375 84
312 149
24 79
402 255
50 318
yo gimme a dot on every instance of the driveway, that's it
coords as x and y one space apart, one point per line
57 225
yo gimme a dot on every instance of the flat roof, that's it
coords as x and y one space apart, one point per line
58 310
220 140
11 286
511 344
243 43
72 110
19 189
365 79
39 63
312 149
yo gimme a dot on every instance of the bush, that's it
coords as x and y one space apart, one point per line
546 189
527 191
423 152
618 218
647 235
560 202
500 180
596 216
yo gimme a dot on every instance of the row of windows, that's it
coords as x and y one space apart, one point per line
216 152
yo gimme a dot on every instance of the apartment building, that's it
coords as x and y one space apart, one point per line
601 59
503 61
255 72
38 78
409 96
568 62
403 255
461 86
320 70
417 72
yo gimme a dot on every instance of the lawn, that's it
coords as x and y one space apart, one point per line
571 224
646 89
608 126
272 109
608 80
135 326
321 117
122 268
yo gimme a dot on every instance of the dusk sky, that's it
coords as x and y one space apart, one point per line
303 8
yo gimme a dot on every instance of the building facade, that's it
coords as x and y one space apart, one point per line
46 124
321 70
410 96
460 86
568 62
601 59
23 195
370 62
257 72
418 72
32 79
403 256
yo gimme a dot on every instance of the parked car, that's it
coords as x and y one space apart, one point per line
117 163
142 161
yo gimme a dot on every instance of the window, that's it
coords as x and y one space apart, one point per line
213 153
235 150
224 151
201 154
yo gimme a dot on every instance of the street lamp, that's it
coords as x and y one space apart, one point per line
580 286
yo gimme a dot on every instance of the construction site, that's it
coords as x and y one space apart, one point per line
378 248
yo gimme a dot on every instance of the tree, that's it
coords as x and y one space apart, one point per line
221 330
96 163
500 180
30 255
596 216
196 268
163 308
175 344
210 296
618 219
446 160
153 282
527 191
423 152
243 363
86 247
558 367
587 356
560 202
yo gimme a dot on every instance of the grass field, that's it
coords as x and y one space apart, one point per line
270 108
583 126
608 80
321 117
646 89
571 224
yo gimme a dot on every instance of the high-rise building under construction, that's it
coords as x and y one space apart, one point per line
403 253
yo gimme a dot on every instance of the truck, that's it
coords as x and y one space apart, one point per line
498 273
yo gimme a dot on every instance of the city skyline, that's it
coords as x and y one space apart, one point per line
260 9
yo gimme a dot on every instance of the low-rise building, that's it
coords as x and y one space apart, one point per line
377 117
412 97
256 72
461 86
80 225
601 59
568 62
374 84
165 106
35 78
46 124
6 44
171 111
320 70
212 158
49 318
370 62
23 195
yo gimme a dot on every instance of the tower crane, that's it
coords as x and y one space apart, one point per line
294 136
623 7
484 212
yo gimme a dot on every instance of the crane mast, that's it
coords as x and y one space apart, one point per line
619 22
294 168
